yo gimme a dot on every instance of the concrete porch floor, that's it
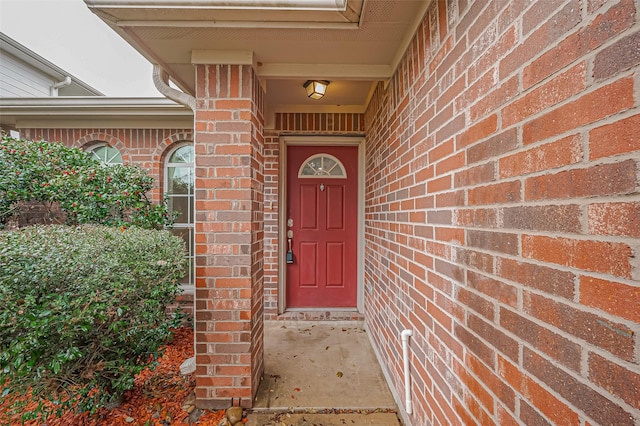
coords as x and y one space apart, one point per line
321 373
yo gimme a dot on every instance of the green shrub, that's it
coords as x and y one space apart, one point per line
85 189
83 309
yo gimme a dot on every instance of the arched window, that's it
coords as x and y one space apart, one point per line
323 165
179 190
106 154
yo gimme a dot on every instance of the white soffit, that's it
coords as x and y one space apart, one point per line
223 57
287 41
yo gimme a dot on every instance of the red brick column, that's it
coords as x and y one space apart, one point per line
229 234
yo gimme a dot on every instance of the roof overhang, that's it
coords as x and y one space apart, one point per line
338 11
352 43
93 112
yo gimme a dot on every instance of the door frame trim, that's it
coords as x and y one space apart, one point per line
286 141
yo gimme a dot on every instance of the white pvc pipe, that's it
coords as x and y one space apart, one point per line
405 358
53 90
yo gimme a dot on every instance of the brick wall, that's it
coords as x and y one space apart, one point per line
229 146
325 124
271 223
503 213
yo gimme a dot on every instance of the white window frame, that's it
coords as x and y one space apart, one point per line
189 225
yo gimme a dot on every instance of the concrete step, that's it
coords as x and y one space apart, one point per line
322 419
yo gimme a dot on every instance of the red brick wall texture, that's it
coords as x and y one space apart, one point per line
503 213
229 146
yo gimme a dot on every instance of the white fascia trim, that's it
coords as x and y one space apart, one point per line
88 101
241 24
105 122
223 57
333 5
87 106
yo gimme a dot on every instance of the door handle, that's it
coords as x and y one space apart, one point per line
290 251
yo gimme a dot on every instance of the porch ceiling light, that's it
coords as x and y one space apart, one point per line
316 88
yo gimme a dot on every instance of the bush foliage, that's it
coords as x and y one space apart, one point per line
83 309
85 189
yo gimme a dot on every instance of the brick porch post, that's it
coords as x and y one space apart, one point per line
229 234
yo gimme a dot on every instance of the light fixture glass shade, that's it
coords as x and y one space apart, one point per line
316 88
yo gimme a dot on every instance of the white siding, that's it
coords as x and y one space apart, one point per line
19 79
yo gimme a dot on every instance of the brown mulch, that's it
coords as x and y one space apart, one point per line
156 400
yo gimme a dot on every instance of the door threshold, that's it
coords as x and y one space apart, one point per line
321 314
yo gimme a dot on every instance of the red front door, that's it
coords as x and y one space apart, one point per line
322 221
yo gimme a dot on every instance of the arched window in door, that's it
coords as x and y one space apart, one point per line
179 189
324 165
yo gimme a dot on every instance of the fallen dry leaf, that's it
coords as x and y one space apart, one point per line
159 392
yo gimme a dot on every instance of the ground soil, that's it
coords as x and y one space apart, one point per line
156 400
